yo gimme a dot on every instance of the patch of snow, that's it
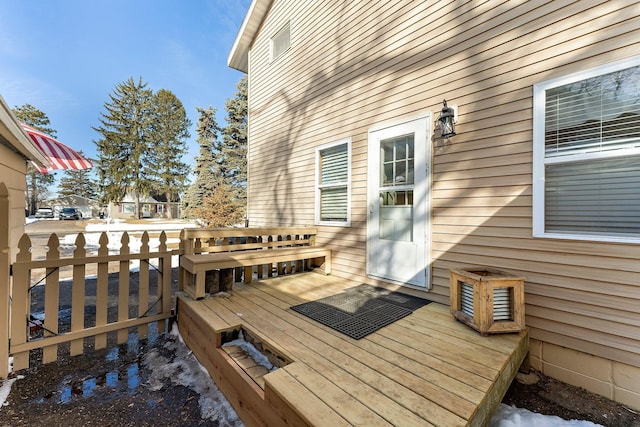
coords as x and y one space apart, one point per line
92 241
251 351
118 225
5 389
5 385
510 416
184 369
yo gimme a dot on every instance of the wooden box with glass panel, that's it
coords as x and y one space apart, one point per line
489 301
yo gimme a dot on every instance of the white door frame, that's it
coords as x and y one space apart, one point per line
422 127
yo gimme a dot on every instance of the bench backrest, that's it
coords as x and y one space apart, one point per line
206 240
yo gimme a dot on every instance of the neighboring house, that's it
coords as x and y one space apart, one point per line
541 179
149 206
16 150
90 208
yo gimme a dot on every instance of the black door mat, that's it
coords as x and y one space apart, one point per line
360 310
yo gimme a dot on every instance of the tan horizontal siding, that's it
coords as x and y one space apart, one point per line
579 338
355 65
13 168
526 48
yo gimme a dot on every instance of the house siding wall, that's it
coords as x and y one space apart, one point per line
13 169
355 65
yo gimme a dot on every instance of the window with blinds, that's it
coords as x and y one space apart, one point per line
333 183
280 42
587 154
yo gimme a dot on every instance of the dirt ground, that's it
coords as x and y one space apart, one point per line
99 389
552 397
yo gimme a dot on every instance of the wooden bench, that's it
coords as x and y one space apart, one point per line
239 250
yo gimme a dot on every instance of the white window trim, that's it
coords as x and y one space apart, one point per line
539 161
285 27
320 148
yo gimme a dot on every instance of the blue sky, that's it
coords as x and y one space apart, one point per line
65 57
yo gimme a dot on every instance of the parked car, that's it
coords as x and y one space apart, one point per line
44 213
70 213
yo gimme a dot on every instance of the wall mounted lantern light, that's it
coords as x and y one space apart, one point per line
446 120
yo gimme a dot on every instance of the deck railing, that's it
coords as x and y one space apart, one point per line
34 305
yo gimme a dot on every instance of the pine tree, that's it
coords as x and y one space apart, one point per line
38 183
77 183
126 136
233 150
164 162
221 209
35 118
205 179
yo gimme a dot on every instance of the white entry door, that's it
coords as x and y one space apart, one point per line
398 203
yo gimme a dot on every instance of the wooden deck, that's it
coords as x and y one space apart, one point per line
426 369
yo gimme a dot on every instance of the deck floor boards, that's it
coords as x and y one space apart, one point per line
425 369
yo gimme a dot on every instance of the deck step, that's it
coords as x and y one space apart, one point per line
246 362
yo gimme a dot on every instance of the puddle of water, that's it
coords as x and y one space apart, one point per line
121 380
113 354
125 378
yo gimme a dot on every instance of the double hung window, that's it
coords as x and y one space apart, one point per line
586 163
333 183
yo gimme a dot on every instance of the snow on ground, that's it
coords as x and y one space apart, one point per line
93 244
5 389
251 351
184 369
510 416
148 224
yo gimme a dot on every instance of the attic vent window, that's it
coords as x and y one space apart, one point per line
280 42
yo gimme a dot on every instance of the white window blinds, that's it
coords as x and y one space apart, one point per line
597 197
333 183
590 163
598 114
334 165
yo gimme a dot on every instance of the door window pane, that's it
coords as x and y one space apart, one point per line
396 156
396 207
396 198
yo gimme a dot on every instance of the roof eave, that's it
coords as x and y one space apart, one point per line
239 55
18 138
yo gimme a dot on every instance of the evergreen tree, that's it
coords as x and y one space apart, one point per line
205 180
221 209
77 183
233 150
164 161
126 136
38 183
35 118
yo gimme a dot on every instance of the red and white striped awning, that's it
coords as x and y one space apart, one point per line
59 155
